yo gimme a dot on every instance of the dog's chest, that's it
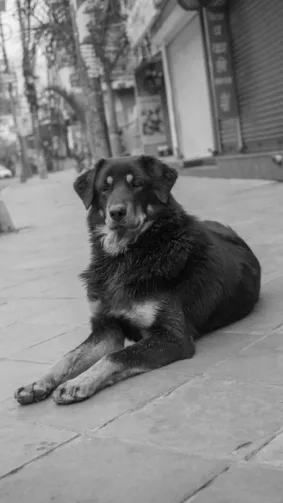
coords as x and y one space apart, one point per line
120 295
141 314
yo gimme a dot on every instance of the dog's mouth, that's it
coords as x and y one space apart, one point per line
125 227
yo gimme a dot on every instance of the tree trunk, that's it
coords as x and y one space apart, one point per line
96 82
25 171
99 139
25 166
6 224
114 135
41 165
97 132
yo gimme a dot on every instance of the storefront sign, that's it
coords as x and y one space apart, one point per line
221 63
151 120
140 19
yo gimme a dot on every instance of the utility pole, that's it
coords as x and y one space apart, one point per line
25 169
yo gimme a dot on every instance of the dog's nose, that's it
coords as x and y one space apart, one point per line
117 212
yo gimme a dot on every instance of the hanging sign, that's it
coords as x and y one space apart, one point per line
222 75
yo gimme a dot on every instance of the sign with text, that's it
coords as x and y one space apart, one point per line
221 63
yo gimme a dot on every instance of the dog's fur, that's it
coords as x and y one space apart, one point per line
157 277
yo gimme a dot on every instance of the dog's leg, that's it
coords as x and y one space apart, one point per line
105 338
161 348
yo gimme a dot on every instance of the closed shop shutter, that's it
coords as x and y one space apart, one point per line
228 130
186 61
257 46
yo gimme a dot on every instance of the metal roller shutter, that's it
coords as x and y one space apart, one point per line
257 46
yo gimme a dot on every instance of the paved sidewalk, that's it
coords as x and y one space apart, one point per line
208 430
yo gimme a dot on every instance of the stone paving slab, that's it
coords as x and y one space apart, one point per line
68 313
159 436
248 484
56 285
261 362
272 453
22 442
106 471
217 347
68 318
22 335
268 313
205 417
19 310
55 348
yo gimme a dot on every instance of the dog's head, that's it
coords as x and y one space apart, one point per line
126 193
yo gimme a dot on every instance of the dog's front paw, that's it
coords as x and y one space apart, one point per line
69 392
34 392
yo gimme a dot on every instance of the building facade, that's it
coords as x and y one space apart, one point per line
222 68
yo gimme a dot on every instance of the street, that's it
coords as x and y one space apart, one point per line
208 430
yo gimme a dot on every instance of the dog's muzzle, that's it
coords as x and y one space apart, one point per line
117 212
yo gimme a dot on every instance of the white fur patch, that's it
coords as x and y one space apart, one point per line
143 315
150 209
94 307
127 343
109 180
110 241
129 178
113 244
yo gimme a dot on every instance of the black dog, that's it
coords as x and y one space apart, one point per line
158 277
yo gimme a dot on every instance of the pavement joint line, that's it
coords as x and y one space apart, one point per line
41 342
145 403
8 325
38 422
45 454
9 359
98 429
276 328
208 483
273 279
272 437
240 351
250 189
257 383
224 459
32 280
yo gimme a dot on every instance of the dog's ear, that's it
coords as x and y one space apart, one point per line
163 177
84 184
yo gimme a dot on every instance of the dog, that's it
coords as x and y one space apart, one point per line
158 278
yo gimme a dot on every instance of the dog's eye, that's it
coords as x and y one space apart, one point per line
105 189
137 184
